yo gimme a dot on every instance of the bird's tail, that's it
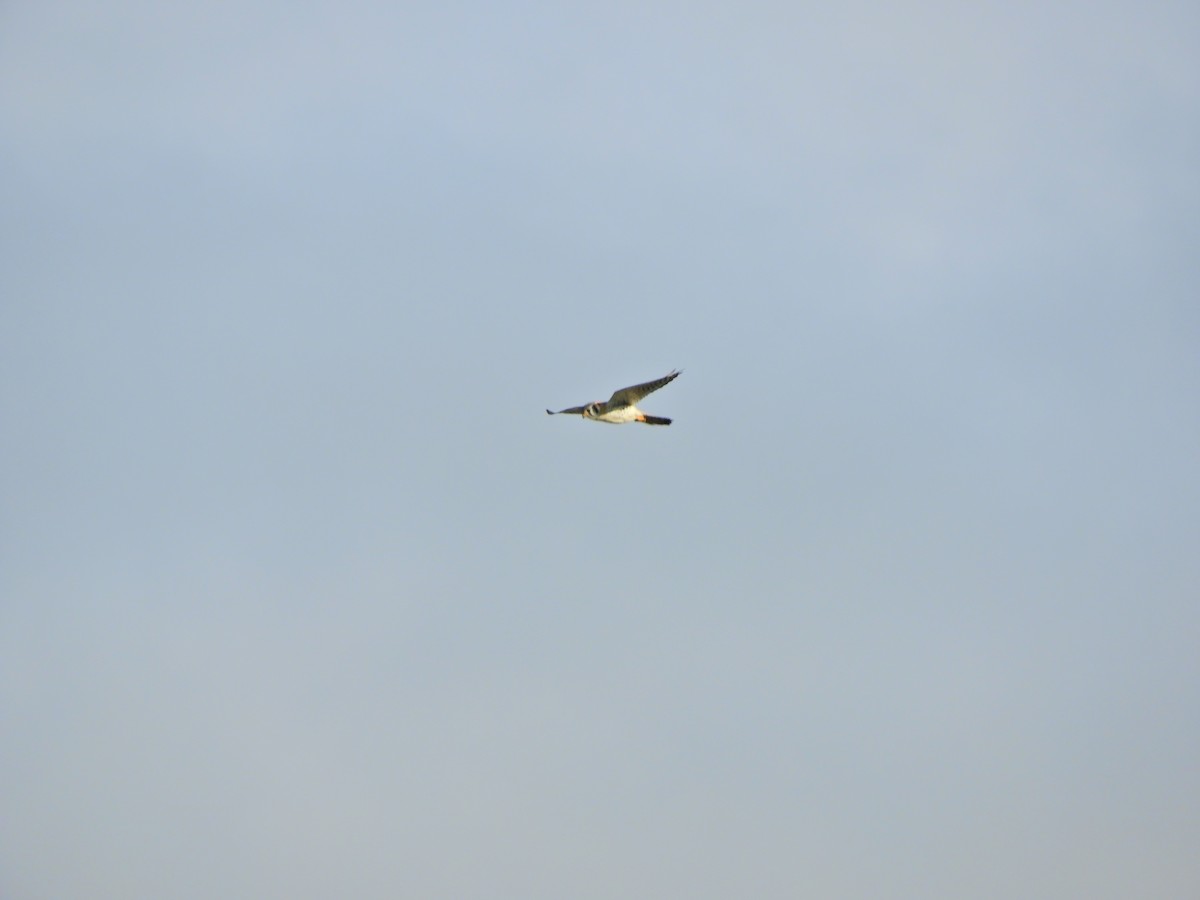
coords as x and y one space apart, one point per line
656 420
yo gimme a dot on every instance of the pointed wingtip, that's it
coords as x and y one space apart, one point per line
549 413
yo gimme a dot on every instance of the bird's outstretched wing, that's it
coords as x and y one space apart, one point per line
631 395
573 411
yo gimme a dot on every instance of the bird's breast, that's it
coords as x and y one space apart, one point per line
620 415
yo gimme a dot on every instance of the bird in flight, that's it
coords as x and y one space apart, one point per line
622 405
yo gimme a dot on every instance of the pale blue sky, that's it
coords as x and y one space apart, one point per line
304 596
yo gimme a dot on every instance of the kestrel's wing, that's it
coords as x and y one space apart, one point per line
631 395
573 411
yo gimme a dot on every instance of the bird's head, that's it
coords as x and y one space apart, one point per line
591 410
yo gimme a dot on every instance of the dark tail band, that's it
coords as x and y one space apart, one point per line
657 420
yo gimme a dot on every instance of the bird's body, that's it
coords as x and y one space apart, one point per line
621 407
619 416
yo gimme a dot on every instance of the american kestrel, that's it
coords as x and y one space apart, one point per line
622 405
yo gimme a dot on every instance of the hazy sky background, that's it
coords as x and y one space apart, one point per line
304 596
